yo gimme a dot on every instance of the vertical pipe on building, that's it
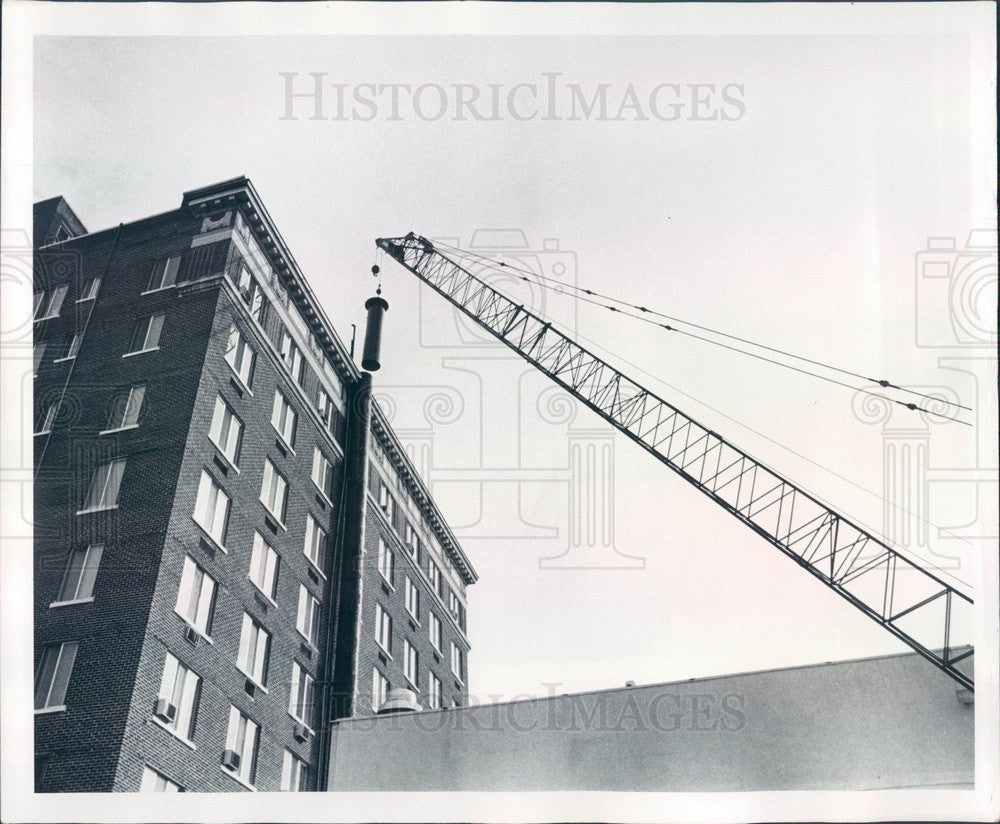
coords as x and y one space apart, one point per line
340 660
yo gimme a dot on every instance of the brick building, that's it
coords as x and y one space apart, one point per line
232 548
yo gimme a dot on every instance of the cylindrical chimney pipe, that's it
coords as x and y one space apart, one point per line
376 307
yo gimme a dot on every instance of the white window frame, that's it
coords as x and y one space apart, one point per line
108 476
434 630
380 689
242 737
240 356
153 781
434 691
294 773
383 629
54 304
211 508
284 418
412 599
434 575
254 651
72 349
302 695
150 339
81 573
264 564
53 693
226 431
91 292
291 357
180 686
203 607
49 419
314 546
274 486
307 616
38 355
130 410
322 472
411 664
456 657
164 274
386 561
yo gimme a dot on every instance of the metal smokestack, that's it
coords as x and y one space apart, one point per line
376 308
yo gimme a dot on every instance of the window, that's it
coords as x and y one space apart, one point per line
81 572
322 472
294 774
307 620
410 663
380 689
38 353
264 566
434 630
291 355
385 561
300 700
385 499
454 606
412 541
179 688
434 573
456 660
240 756
324 403
433 691
53 306
283 418
252 295
255 646
104 486
240 356
273 491
383 628
196 597
38 300
315 547
211 509
91 291
52 676
146 335
70 345
164 273
126 408
47 419
157 782
226 431
412 599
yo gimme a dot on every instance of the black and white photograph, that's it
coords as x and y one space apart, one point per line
499 412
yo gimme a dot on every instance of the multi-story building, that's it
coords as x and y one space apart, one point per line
232 548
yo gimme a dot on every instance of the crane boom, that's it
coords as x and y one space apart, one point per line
904 598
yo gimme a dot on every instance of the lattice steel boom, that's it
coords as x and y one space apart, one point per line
901 596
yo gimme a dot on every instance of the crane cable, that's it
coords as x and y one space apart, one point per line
560 286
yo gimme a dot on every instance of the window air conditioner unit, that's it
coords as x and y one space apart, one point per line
231 759
300 732
191 636
164 710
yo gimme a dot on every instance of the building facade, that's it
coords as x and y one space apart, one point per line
217 574
893 722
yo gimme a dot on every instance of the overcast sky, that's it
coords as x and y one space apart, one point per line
792 219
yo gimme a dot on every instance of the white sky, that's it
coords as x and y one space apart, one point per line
796 225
